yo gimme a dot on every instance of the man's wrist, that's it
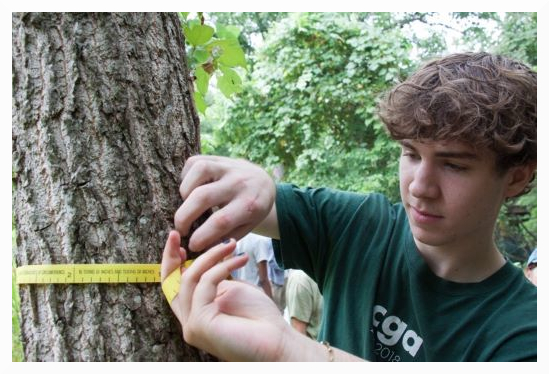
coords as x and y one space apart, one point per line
298 347
329 349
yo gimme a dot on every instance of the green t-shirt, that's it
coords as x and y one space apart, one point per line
381 300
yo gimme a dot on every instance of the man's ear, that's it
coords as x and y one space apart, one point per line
518 178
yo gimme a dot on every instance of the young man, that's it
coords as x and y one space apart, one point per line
421 280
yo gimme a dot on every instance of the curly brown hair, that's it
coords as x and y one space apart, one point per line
486 100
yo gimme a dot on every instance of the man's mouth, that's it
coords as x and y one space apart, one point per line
424 216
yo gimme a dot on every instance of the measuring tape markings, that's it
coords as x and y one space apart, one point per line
100 273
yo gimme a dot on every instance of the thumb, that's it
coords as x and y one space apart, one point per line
173 256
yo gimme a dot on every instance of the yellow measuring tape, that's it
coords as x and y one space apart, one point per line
100 273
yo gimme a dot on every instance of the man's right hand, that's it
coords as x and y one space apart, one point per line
243 192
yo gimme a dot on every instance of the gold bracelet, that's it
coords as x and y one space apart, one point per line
330 350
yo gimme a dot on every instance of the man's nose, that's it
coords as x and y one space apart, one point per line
425 182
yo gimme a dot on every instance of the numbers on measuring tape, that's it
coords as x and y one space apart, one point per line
88 273
99 273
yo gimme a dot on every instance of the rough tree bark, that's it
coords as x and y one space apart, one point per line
103 121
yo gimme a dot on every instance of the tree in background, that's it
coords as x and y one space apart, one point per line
519 37
513 34
252 25
310 105
103 120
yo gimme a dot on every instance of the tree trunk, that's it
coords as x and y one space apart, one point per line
103 121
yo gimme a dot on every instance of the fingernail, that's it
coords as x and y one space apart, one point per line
226 241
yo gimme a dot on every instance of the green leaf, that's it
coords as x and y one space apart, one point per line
201 56
184 15
194 22
229 83
200 103
227 32
198 34
202 80
228 52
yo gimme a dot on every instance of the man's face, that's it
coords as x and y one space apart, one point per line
531 273
451 192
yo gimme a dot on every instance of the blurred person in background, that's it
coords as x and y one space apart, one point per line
531 270
304 302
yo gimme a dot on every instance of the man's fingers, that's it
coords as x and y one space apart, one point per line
190 167
192 275
243 191
206 290
201 171
231 221
199 201
172 255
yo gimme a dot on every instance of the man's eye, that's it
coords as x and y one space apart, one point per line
455 167
411 155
